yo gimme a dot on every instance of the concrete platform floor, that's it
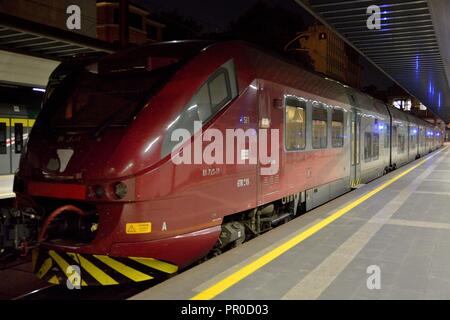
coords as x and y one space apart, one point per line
398 225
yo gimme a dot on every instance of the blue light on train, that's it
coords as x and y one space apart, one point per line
439 100
380 126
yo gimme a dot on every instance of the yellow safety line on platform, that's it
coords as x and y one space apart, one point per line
253 266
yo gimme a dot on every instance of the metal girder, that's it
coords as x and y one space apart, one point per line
364 14
30 38
410 17
388 5
390 24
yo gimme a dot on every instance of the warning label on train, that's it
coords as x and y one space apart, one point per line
138 228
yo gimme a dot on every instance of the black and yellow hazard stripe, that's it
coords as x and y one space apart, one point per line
355 183
98 270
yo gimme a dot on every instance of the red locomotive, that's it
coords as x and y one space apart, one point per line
99 165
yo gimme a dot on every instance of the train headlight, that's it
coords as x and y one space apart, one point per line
120 190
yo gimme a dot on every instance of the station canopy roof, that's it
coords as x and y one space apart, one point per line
412 47
30 38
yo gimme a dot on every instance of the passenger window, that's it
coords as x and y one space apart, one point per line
387 135
368 146
210 98
401 143
376 146
422 137
3 149
394 136
18 136
295 130
319 127
337 128
412 137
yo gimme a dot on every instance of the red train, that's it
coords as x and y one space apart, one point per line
99 171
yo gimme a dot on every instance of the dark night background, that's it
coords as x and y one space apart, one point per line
268 23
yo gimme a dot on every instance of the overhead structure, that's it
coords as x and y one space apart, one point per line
31 38
412 46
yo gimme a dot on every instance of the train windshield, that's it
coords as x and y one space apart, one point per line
110 91
93 97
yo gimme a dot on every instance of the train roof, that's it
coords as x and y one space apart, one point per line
286 71
273 67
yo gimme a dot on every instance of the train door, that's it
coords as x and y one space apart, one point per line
18 134
5 151
269 118
355 172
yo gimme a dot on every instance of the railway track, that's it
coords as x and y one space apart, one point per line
57 292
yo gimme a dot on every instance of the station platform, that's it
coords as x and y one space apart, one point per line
6 186
396 228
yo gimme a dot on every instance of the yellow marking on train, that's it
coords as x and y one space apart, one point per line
156 264
93 270
138 228
5 120
34 258
54 280
250 268
63 265
127 271
24 122
44 268
11 121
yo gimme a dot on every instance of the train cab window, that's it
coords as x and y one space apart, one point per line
18 136
219 89
3 149
201 107
319 126
295 128
368 146
375 146
337 128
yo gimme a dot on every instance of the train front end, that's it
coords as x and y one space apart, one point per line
93 172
